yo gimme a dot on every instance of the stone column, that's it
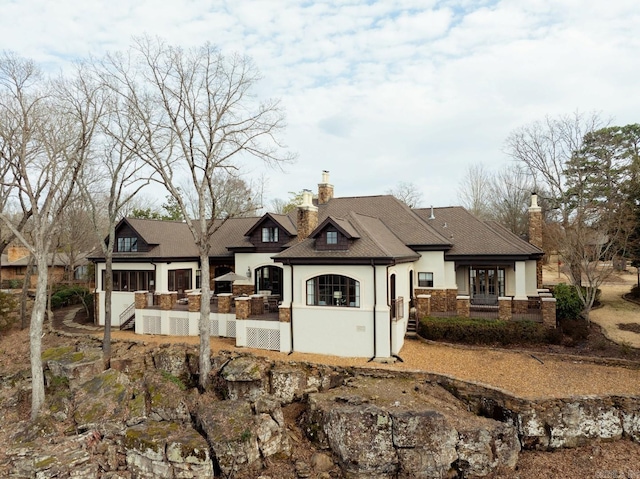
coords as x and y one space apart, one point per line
548 311
195 300
423 306
140 299
504 308
174 296
284 314
224 303
166 301
242 307
257 304
463 306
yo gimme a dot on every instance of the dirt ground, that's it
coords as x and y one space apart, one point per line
529 373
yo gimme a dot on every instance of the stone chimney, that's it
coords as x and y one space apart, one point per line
14 253
325 190
307 215
535 232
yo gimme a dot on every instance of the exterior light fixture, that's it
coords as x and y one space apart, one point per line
248 272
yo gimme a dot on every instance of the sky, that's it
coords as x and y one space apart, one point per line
378 92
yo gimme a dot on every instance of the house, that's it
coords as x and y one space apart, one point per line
338 276
15 261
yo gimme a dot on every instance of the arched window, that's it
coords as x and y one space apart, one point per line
333 290
269 278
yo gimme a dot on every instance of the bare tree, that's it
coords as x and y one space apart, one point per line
408 193
475 190
48 129
509 199
196 117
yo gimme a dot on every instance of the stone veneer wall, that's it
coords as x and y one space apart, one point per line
224 303
442 300
504 309
195 301
242 308
243 289
549 312
140 299
519 306
284 314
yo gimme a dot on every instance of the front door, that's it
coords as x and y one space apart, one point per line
486 285
179 280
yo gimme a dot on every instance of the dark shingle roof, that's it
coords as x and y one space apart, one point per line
373 241
473 237
395 215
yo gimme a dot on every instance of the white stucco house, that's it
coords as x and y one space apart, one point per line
337 276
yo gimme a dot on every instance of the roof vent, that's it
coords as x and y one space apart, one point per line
432 217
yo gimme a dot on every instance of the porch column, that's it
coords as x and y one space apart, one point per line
242 307
257 304
166 301
504 308
284 314
141 299
548 311
224 303
194 302
520 300
463 306
423 306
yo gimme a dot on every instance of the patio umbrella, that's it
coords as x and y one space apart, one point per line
231 277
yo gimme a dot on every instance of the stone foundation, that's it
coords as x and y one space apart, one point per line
442 300
284 314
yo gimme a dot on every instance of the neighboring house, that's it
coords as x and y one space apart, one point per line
346 273
14 268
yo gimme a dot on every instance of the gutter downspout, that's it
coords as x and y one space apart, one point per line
375 301
291 311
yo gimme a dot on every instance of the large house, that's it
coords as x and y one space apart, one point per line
337 276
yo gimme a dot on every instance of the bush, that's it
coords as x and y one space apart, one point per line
69 295
576 328
486 331
635 292
8 305
568 303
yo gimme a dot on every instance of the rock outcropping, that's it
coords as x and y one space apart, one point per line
144 418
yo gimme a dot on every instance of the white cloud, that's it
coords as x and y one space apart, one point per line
379 91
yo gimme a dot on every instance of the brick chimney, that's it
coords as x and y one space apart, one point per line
325 190
14 253
535 232
307 215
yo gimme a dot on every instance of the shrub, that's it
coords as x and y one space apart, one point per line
68 295
635 292
8 305
568 303
575 328
486 331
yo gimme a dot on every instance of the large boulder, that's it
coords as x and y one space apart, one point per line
166 449
392 427
76 365
246 378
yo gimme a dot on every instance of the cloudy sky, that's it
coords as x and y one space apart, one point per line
379 92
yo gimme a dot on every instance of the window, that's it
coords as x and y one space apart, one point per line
127 244
332 237
333 290
81 272
270 234
425 280
131 280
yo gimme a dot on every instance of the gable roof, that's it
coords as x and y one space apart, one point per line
472 237
343 226
373 241
393 213
284 221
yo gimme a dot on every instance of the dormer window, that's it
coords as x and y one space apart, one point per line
270 234
332 237
126 245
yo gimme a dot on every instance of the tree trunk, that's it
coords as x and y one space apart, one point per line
25 293
205 309
108 289
35 336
